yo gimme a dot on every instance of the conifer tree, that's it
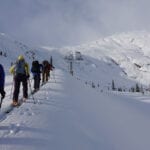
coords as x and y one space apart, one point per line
113 85
137 89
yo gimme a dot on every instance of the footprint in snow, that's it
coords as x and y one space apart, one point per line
30 114
25 111
13 129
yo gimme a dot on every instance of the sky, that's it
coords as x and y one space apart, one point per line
71 22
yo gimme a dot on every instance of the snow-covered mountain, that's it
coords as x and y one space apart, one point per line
128 52
123 58
10 49
70 115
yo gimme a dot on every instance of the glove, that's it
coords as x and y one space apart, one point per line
3 93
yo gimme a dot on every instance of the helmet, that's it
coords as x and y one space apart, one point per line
20 57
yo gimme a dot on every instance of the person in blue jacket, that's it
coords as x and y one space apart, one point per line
2 81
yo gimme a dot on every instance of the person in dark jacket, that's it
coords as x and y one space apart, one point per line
2 81
36 71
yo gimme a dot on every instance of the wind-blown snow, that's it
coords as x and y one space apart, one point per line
69 113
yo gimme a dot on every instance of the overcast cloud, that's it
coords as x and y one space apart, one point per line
71 22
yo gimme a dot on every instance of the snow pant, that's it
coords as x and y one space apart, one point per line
2 92
45 75
37 81
18 79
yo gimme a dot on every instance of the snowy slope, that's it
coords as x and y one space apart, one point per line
123 58
70 115
10 49
126 57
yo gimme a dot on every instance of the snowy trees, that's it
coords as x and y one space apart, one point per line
113 85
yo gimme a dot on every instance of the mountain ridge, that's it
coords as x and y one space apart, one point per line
123 58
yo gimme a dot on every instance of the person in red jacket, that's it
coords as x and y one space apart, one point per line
46 71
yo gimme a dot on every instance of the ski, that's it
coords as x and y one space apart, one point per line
11 107
21 101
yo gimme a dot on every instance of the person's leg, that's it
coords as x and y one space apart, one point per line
38 81
16 88
43 77
47 74
34 82
25 87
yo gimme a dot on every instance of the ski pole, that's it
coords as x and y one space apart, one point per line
54 75
11 89
1 102
31 91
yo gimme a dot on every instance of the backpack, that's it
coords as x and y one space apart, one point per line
20 67
45 65
35 67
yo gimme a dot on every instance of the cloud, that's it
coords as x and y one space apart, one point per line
71 22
